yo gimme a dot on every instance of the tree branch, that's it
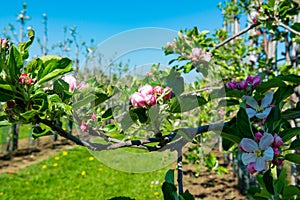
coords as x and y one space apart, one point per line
234 36
287 28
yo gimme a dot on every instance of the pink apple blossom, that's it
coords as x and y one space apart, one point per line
94 116
71 80
258 136
258 153
83 127
158 90
232 85
251 168
146 90
167 92
137 100
277 141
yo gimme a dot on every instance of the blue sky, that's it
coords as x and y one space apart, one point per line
102 19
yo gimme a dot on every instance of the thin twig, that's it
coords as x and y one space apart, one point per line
234 36
288 28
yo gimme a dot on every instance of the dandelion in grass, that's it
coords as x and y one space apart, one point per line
1 193
55 164
91 158
44 166
100 169
56 158
64 153
156 193
83 173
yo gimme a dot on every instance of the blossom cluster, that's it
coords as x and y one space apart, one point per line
199 55
251 81
259 152
25 79
147 96
71 80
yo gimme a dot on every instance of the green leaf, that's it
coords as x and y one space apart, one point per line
290 190
187 195
185 103
15 64
33 67
141 114
280 182
53 67
128 119
292 78
271 3
288 134
268 180
169 178
169 191
60 85
4 123
295 158
175 81
228 102
243 124
86 100
29 115
272 83
282 93
6 92
108 114
37 131
24 46
295 145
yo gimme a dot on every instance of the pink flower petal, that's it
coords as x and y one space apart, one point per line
248 158
249 145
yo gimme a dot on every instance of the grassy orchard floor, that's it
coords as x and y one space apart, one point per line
75 174
24 132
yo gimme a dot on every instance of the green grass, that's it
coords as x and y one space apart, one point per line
24 132
78 176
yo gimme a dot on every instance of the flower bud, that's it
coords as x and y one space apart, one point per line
276 151
277 141
10 104
258 136
146 90
256 81
158 90
137 100
232 85
94 116
243 85
30 81
150 100
250 168
167 92
83 127
277 161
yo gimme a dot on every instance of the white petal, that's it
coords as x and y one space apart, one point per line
264 114
248 158
266 141
268 154
267 100
249 145
251 112
251 101
260 164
